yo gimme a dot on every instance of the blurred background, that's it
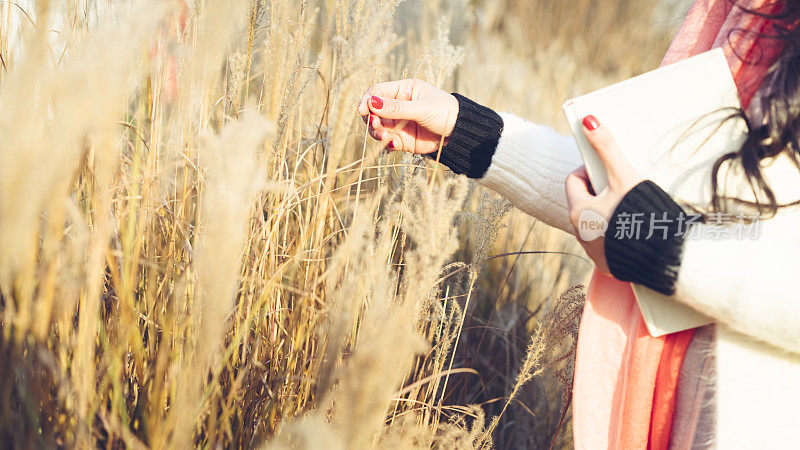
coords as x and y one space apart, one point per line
200 246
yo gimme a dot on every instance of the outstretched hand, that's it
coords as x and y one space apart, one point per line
585 205
409 115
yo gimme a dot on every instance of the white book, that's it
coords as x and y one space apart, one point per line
664 122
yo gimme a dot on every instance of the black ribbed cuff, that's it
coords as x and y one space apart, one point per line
644 238
470 147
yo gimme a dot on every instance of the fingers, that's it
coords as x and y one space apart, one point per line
375 128
578 195
379 128
617 166
394 134
389 133
399 139
393 118
383 131
403 137
399 89
577 186
375 123
398 109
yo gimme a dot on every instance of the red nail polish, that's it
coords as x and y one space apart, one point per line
390 145
591 122
376 102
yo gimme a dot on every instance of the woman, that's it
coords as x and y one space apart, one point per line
732 384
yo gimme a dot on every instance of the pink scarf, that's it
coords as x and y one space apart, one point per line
624 386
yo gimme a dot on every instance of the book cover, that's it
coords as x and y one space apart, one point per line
669 123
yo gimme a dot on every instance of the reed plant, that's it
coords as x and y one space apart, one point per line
200 247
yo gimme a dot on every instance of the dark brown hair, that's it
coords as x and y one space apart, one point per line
780 132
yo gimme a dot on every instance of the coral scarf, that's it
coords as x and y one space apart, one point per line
625 379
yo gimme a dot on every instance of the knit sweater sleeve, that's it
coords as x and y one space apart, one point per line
526 163
736 275
744 283
741 283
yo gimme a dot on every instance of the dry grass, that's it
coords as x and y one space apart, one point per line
200 247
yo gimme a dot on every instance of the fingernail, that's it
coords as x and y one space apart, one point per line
390 145
591 122
376 122
376 102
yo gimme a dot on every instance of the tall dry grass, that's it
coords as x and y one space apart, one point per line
199 246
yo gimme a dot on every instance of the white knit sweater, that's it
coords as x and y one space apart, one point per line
745 286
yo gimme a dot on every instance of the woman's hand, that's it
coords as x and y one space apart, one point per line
586 208
409 115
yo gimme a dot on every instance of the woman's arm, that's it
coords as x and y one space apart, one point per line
522 161
743 282
739 281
